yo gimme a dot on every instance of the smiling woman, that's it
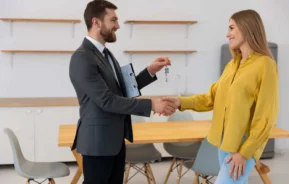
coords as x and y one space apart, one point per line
246 29
244 100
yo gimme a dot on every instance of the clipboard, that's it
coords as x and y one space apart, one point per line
130 83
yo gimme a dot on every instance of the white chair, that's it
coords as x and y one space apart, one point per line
34 170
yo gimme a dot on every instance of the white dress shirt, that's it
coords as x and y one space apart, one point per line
101 47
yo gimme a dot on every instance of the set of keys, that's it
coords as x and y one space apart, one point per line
166 73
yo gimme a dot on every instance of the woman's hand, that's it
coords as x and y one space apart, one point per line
175 100
238 165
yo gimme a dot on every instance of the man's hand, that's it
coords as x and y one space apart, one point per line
163 107
238 165
175 100
158 64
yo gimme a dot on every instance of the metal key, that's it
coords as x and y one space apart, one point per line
166 73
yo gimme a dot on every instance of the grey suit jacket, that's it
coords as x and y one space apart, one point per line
104 110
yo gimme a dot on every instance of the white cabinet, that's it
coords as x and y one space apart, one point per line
47 121
37 131
21 121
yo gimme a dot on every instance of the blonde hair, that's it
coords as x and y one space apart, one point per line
251 26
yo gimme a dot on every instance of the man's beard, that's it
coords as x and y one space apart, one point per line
107 35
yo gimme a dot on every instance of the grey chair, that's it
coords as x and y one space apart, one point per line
180 151
34 170
141 154
206 165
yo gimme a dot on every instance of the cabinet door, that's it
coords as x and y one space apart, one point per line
21 121
47 122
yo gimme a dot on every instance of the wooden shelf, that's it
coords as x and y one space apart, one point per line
12 20
40 20
38 102
160 22
156 96
185 22
160 51
37 51
46 101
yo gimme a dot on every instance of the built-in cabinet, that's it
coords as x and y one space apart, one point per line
47 122
21 121
37 131
36 122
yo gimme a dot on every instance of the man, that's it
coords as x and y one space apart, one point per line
104 110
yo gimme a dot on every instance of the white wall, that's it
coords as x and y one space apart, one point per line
43 75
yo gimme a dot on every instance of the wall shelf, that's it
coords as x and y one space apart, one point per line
160 51
185 22
186 52
155 96
40 20
47 101
38 102
37 51
11 20
160 22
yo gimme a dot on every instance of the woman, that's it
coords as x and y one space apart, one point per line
244 99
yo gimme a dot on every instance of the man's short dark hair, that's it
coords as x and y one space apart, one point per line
96 8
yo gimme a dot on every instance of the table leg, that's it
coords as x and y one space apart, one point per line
76 176
262 170
79 171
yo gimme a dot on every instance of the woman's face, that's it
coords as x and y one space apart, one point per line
234 35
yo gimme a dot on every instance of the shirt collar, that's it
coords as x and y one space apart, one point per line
252 55
96 43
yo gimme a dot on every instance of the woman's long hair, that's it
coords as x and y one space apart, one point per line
251 26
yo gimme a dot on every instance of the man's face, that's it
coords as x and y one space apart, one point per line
109 26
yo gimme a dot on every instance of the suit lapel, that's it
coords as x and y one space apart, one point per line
103 60
87 44
116 66
117 70
106 63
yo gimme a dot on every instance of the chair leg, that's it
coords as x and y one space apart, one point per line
204 181
151 173
127 173
170 170
51 181
180 171
197 177
146 173
262 170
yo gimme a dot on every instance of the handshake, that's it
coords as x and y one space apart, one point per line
166 105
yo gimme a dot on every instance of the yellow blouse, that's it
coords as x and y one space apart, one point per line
244 102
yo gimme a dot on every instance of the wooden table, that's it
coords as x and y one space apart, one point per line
160 132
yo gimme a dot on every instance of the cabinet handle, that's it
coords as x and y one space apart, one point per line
28 111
